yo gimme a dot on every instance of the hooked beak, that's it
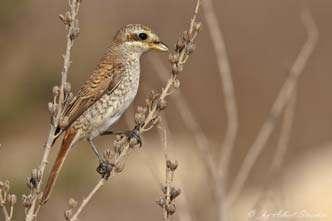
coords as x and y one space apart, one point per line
158 45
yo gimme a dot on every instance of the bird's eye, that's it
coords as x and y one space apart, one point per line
142 36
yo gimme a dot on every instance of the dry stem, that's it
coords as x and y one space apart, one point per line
283 98
149 115
228 88
60 96
283 141
166 201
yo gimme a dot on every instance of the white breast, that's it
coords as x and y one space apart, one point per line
120 100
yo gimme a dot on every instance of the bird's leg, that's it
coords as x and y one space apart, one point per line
95 150
104 168
111 132
134 133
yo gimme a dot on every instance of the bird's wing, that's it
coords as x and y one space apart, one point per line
104 79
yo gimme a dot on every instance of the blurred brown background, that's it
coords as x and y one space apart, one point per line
263 39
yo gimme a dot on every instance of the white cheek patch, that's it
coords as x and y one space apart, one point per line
137 47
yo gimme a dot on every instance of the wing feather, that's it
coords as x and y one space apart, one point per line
104 79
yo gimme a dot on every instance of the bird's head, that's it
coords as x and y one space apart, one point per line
138 39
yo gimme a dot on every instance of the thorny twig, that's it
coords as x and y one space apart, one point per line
7 200
281 101
148 116
61 96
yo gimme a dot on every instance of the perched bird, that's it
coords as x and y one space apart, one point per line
107 93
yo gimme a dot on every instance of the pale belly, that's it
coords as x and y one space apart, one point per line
114 108
108 109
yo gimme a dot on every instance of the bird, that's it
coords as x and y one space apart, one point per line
105 96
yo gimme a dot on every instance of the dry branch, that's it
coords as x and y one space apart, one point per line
227 83
281 101
230 104
61 95
169 191
282 145
147 116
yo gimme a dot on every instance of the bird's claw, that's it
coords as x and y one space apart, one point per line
135 134
105 169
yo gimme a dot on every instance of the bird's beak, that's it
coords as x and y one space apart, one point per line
159 46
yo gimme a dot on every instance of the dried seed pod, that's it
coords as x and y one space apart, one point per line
141 109
173 57
72 203
176 83
26 201
161 202
175 69
174 193
198 26
172 165
164 189
170 208
62 18
186 36
68 214
179 45
67 87
190 48
74 34
162 104
139 118
13 199
56 90
6 186
133 142
50 107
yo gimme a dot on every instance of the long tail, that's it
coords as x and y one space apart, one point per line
63 152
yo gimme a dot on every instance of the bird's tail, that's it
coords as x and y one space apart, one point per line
65 147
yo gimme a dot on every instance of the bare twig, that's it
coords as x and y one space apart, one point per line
228 88
169 191
230 103
148 116
285 134
281 101
61 95
284 138
86 200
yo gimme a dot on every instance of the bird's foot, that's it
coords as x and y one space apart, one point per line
135 136
132 135
105 169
